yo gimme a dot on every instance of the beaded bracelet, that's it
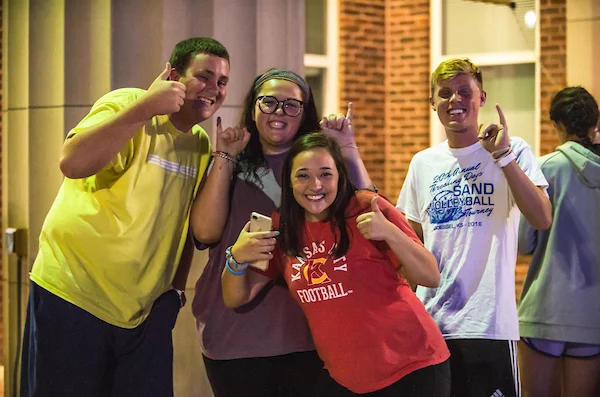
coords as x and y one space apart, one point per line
225 155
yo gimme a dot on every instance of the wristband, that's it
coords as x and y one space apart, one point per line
230 270
504 161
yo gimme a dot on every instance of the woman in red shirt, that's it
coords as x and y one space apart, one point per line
345 256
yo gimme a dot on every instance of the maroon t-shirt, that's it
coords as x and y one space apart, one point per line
270 325
369 327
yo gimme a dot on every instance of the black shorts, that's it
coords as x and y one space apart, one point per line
68 352
484 367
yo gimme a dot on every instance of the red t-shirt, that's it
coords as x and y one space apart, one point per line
369 327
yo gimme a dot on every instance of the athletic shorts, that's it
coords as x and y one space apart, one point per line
556 348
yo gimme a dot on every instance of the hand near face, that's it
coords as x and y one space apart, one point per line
373 225
231 140
253 246
164 96
339 127
494 137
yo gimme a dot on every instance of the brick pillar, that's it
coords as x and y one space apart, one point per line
362 78
407 72
384 71
553 56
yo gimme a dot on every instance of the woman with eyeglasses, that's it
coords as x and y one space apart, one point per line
263 348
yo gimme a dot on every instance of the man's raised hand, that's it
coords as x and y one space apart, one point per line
164 96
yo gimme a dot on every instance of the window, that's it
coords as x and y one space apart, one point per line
507 54
320 60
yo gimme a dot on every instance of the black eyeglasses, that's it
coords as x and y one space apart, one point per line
269 104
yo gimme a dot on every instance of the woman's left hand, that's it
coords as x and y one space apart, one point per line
339 127
373 225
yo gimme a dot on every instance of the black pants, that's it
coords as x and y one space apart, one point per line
290 375
432 381
67 352
484 367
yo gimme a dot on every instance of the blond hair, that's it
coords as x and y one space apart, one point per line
450 68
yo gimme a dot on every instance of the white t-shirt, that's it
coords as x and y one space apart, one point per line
470 223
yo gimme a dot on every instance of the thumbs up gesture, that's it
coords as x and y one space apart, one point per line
373 225
339 127
164 96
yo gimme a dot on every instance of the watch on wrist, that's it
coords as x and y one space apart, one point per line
182 298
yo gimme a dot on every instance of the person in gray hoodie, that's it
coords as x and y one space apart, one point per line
559 311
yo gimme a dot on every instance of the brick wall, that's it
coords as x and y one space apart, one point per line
384 68
407 110
553 56
362 78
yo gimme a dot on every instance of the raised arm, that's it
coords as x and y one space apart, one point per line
211 206
91 149
339 127
418 264
240 286
531 199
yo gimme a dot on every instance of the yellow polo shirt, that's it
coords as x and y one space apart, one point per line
111 242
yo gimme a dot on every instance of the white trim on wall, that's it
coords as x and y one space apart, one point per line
329 61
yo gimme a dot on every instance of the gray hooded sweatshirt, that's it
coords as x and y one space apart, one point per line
561 294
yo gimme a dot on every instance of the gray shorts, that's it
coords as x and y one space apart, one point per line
556 348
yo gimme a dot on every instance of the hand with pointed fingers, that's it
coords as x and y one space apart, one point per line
164 96
339 127
231 140
373 225
253 246
494 137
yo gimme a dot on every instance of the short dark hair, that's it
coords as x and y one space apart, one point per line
252 157
187 49
291 213
577 110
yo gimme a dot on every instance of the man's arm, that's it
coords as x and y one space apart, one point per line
185 264
92 148
211 206
417 228
531 199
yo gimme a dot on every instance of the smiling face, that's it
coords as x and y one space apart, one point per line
277 130
457 101
206 80
314 180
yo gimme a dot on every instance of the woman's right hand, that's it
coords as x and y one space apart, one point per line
232 140
253 246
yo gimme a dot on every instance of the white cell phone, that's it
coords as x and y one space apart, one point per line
260 223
